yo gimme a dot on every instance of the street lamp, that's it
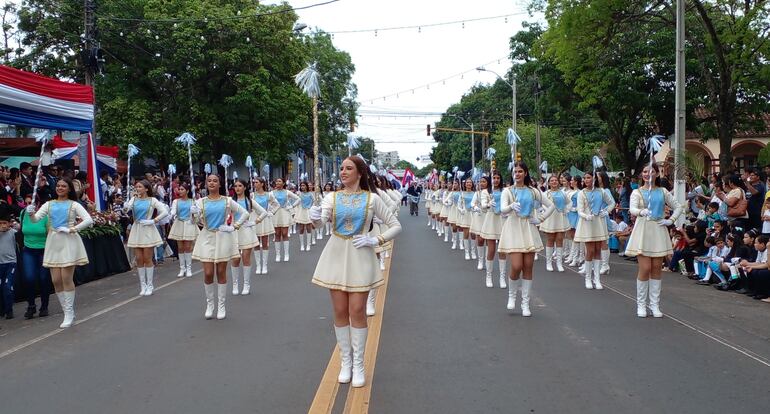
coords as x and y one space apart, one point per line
513 91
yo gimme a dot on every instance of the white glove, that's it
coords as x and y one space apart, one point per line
492 204
249 223
476 209
534 220
147 222
360 241
226 229
447 203
665 222
270 214
63 229
644 213
377 220
588 217
516 206
735 260
573 209
603 214
30 209
504 215
718 259
315 213
194 209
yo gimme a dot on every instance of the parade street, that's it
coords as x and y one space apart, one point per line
440 343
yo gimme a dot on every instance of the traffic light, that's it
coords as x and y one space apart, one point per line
518 156
428 129
290 168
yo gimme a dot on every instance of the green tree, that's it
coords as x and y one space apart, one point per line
404 164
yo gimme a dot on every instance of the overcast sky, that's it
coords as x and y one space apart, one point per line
399 60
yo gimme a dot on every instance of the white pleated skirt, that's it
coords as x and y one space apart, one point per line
265 227
343 267
477 222
302 216
247 238
518 235
215 246
557 222
464 219
282 218
183 231
64 250
452 215
591 231
492 227
444 212
649 239
142 236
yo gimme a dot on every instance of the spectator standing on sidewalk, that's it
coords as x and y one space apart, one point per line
7 260
35 275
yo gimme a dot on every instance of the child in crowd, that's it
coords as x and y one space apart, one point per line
717 252
748 280
7 261
622 232
712 214
766 218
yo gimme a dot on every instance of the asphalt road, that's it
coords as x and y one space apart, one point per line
447 345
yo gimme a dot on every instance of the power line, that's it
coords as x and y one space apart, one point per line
419 27
210 19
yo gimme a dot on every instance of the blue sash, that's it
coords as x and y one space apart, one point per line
183 209
595 200
281 197
214 212
468 198
496 196
350 213
262 200
142 209
59 212
524 197
655 202
243 204
559 200
455 198
307 199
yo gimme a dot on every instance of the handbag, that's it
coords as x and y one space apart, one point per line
738 209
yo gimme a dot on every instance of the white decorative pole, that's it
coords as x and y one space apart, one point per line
42 139
309 81
132 152
188 139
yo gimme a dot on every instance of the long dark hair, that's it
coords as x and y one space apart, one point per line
657 174
146 184
367 181
523 166
265 187
488 181
71 194
246 191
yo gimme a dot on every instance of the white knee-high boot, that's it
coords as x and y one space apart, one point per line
598 275
188 265
642 290
655 288
526 285
474 252
346 353
236 274
558 257
182 264
503 263
302 242
277 245
589 270
257 262
480 254
358 342
246 280
221 298
67 300
142 281
210 291
370 302
265 260
310 240
549 258
513 286
285 250
605 264
490 268
149 274
467 248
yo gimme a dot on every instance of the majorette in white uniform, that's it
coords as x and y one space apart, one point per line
519 234
247 236
286 200
557 222
63 248
63 245
342 266
453 198
268 203
650 238
306 199
477 221
184 227
143 235
465 208
591 227
490 230
213 245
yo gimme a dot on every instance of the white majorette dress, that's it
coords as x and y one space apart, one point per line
493 221
306 200
247 237
465 209
572 215
212 245
142 235
442 200
286 200
590 205
184 227
342 266
557 222
648 238
477 220
63 249
268 203
428 200
519 235
453 198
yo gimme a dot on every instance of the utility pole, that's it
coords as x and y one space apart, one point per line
537 127
473 147
680 108
89 56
